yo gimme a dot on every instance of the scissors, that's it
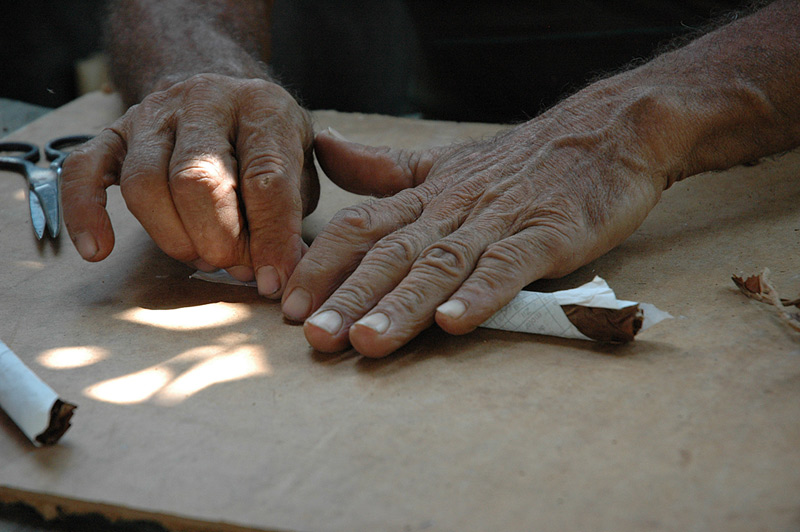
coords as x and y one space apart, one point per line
43 183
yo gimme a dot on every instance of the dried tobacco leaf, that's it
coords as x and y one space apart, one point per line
60 415
760 288
751 287
606 325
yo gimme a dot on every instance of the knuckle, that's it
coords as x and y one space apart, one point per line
255 85
505 253
154 113
484 282
397 249
354 300
219 255
311 268
354 219
218 252
266 171
286 116
556 233
269 197
448 258
500 268
198 177
199 82
411 299
420 163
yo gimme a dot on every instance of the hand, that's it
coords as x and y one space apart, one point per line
218 170
469 225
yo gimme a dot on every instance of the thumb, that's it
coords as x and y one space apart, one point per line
369 170
85 175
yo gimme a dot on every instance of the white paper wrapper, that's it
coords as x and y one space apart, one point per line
29 402
222 277
542 313
534 312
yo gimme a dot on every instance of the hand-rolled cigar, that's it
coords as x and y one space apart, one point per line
588 312
33 405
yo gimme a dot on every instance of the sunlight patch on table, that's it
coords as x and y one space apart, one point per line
192 371
134 388
30 264
72 357
188 318
243 362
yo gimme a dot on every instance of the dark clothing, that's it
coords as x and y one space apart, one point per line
451 59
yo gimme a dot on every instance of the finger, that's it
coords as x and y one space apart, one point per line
146 191
386 264
501 272
275 183
438 272
86 173
368 170
339 248
393 293
203 181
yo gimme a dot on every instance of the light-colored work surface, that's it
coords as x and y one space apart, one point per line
199 404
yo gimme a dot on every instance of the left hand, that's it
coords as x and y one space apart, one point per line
472 224
217 169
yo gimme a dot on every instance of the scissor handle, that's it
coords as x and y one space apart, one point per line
54 149
30 153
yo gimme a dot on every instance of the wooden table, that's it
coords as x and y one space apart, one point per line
200 408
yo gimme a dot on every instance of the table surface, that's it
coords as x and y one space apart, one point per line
201 409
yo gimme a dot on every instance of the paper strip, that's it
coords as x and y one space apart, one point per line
30 403
535 313
222 277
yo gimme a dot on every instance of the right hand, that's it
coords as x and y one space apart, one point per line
463 228
218 170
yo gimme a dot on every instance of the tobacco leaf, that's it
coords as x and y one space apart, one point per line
760 288
60 415
604 324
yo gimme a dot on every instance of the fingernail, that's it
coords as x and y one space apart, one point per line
268 280
203 266
242 273
86 245
336 134
453 308
378 322
297 306
329 321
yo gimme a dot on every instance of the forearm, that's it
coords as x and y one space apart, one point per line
727 98
153 43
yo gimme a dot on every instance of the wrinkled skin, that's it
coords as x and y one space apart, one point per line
218 170
470 225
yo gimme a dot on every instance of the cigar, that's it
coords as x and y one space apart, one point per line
588 312
33 405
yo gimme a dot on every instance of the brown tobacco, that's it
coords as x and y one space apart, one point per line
60 415
760 288
605 325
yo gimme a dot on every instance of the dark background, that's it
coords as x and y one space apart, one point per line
489 61
40 42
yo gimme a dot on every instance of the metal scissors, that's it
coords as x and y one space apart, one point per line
43 183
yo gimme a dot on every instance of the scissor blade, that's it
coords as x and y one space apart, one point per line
37 214
48 196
